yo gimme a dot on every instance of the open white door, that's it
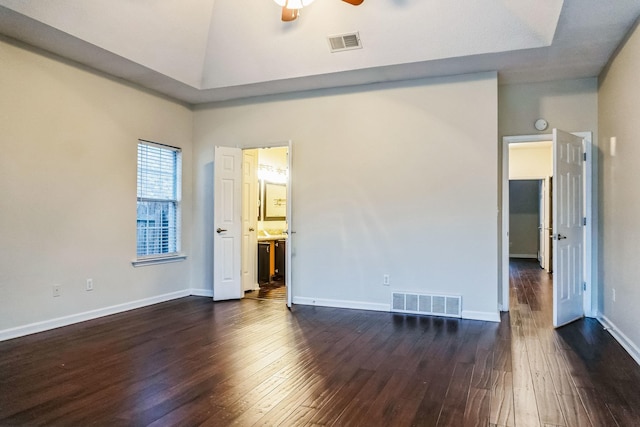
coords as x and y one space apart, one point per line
249 219
568 237
227 205
547 223
290 239
541 230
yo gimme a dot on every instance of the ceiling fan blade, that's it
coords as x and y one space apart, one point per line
289 14
354 2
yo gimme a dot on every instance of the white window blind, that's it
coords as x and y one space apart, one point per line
158 216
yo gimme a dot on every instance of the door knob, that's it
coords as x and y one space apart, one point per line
251 229
560 237
220 230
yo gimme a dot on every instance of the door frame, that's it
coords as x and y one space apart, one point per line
590 267
544 212
289 245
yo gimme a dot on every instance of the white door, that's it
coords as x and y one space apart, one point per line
568 237
292 233
227 224
249 219
547 224
541 230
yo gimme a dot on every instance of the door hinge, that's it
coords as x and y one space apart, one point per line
584 156
584 221
584 286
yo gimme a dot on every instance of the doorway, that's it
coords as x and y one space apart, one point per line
529 224
575 286
264 261
236 221
530 191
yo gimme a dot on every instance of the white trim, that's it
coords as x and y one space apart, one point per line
529 178
201 292
534 256
485 316
58 322
141 262
291 238
355 305
358 305
590 200
529 138
625 342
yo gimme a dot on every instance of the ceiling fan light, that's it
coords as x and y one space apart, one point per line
293 4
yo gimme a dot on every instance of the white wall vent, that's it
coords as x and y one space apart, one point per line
340 42
437 305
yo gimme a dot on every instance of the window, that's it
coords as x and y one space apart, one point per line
158 218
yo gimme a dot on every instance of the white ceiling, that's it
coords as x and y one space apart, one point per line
200 51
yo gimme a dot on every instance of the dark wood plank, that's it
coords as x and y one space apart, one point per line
502 407
478 408
455 401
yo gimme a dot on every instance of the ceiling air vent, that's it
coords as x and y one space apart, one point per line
341 42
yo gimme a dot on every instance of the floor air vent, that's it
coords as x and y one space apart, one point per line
437 305
342 42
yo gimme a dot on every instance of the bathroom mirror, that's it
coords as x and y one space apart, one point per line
275 201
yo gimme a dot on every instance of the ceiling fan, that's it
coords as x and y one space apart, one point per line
291 8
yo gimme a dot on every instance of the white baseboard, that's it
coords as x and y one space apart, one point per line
625 342
201 292
534 256
356 305
58 322
485 316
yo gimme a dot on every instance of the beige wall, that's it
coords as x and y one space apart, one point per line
68 143
530 161
619 109
395 179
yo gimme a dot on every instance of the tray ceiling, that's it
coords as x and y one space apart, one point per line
202 51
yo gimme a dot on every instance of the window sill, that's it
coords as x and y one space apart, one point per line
141 262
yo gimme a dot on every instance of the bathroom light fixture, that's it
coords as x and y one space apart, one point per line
272 174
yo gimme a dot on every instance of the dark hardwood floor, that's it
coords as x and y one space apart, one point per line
253 362
275 290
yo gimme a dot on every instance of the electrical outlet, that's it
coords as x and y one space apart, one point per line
89 286
386 280
613 295
57 290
